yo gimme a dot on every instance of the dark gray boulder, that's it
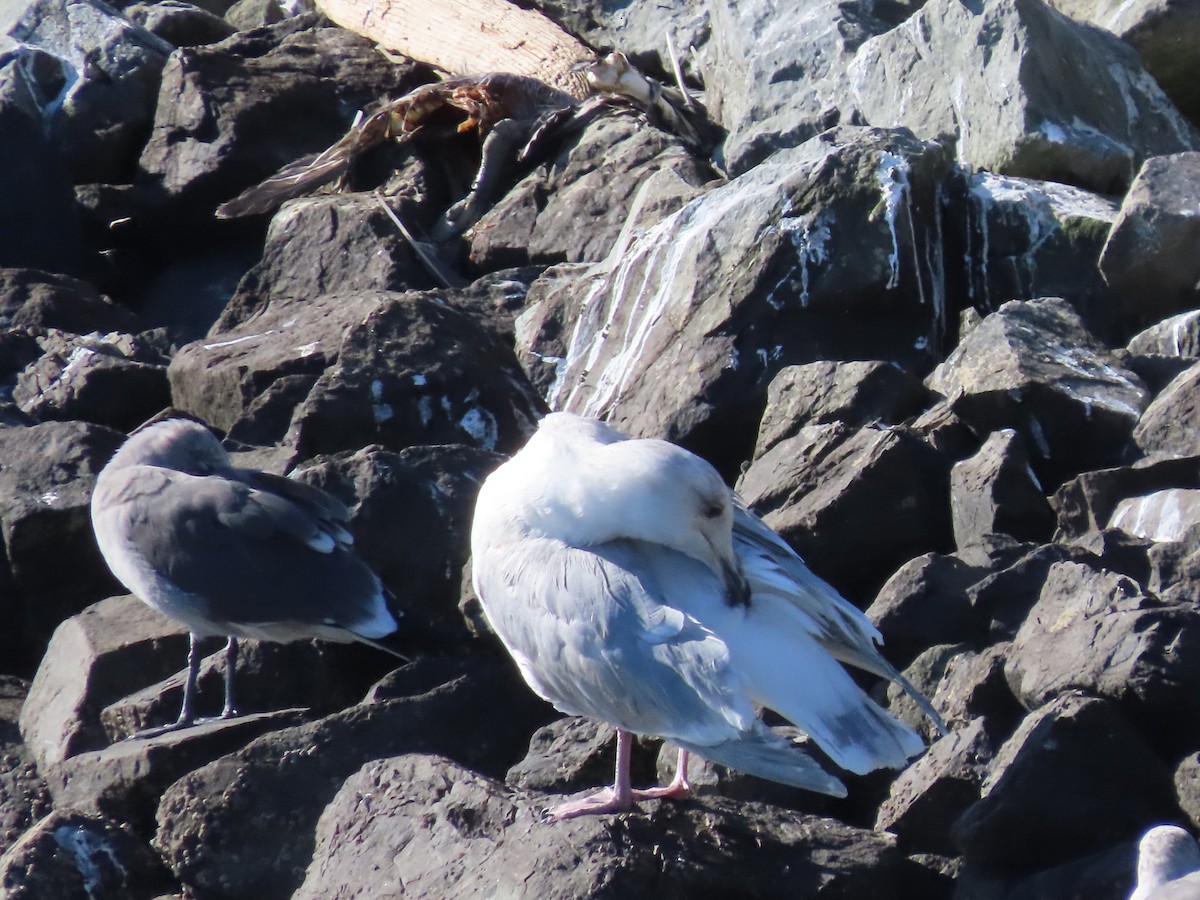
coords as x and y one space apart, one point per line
854 393
1033 367
1072 777
1094 631
1170 425
441 830
995 491
45 487
1176 336
826 486
180 24
245 823
76 856
667 341
596 179
1085 504
1009 114
36 299
1147 258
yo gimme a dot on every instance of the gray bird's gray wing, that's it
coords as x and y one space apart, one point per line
1185 888
594 633
252 555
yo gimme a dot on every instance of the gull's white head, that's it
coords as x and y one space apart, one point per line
1165 853
588 484
184 445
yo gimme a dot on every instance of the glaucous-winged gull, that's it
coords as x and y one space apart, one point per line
1168 865
631 585
231 552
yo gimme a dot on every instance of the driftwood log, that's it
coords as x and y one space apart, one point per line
469 37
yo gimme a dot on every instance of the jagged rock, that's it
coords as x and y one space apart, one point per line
337 372
125 781
573 754
1163 33
596 179
247 14
1033 367
1107 875
827 485
1002 598
1161 516
1095 631
181 24
1187 787
670 342
339 244
70 854
854 393
1084 505
231 112
411 523
1175 568
40 227
989 77
89 664
1145 258
414 836
925 600
23 795
995 491
1170 425
637 29
244 824
102 100
45 487
973 686
1177 336
90 379
776 77
31 298
1072 777
1024 239
928 796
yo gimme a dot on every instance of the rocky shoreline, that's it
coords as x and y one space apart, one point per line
933 306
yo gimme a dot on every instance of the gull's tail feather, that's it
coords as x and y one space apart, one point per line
767 755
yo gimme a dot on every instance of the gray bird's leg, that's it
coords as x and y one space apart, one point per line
498 152
186 715
231 648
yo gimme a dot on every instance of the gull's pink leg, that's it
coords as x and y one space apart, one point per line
621 796
679 788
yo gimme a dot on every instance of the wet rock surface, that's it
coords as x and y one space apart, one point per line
930 305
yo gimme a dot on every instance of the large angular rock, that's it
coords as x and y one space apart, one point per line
244 825
989 76
1147 257
995 491
106 84
828 486
1095 631
101 655
1170 425
230 112
854 393
35 299
1161 516
412 519
1177 336
669 341
594 179
1072 777
776 76
973 686
1023 238
45 487
23 795
338 372
928 796
403 821
70 854
1162 31
1085 504
93 379
1033 367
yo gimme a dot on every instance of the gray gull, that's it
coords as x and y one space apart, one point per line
230 552
1168 865
631 585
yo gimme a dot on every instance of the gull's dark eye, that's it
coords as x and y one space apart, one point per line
713 510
